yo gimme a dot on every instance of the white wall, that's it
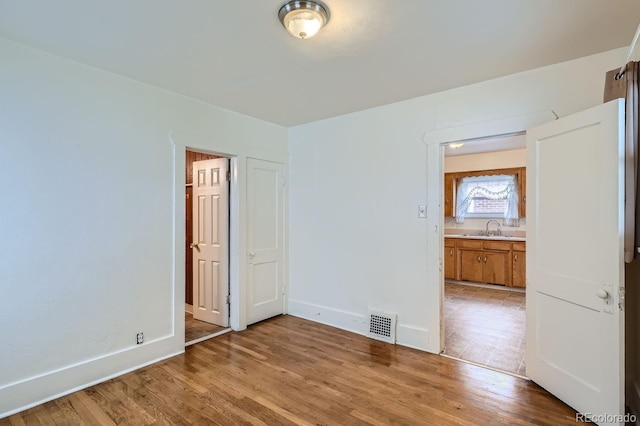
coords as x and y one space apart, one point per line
356 183
90 163
87 256
486 161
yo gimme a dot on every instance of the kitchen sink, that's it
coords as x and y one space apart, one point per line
488 236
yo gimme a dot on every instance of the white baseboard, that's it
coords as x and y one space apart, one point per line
414 337
406 335
19 396
343 320
188 308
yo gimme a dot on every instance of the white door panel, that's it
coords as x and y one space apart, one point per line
266 283
575 338
211 241
265 199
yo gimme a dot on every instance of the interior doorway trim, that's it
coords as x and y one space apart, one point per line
485 366
207 337
214 313
435 140
235 322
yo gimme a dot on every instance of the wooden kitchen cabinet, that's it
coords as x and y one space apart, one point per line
471 265
484 266
470 259
495 268
522 192
485 261
448 195
519 265
450 259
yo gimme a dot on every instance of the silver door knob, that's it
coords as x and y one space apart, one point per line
194 245
252 255
602 293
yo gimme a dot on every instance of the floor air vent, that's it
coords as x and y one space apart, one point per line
382 326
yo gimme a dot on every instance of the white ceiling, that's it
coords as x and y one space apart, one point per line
235 54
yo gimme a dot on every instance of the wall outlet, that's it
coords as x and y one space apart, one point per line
139 338
422 211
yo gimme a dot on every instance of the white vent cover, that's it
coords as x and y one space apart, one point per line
382 326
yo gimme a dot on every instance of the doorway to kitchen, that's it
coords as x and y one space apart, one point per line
484 247
206 246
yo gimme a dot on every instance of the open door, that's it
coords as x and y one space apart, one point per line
211 241
575 275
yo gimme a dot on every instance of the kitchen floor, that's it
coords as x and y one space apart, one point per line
485 326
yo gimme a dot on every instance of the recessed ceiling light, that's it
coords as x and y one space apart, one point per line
303 18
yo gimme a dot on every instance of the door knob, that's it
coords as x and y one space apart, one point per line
602 293
252 255
194 245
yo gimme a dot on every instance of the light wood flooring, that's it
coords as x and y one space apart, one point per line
485 326
289 371
194 329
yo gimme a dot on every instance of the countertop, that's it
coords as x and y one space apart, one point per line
483 237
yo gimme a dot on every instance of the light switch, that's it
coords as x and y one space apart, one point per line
422 211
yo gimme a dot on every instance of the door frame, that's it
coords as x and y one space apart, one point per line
435 140
238 153
236 322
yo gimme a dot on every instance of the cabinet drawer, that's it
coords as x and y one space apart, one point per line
474 244
497 245
449 242
519 246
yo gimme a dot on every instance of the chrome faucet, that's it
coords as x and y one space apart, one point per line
497 232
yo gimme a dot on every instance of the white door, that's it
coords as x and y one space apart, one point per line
265 229
575 276
211 241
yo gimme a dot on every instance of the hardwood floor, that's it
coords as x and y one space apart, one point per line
485 326
287 371
194 329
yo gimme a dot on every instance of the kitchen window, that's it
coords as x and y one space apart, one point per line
494 196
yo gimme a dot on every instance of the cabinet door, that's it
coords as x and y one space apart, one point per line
494 268
471 265
449 260
519 269
448 195
522 189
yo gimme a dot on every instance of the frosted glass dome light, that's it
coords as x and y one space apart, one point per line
303 18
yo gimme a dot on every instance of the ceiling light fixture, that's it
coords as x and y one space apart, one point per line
303 18
456 145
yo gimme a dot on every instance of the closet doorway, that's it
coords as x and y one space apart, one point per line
206 246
